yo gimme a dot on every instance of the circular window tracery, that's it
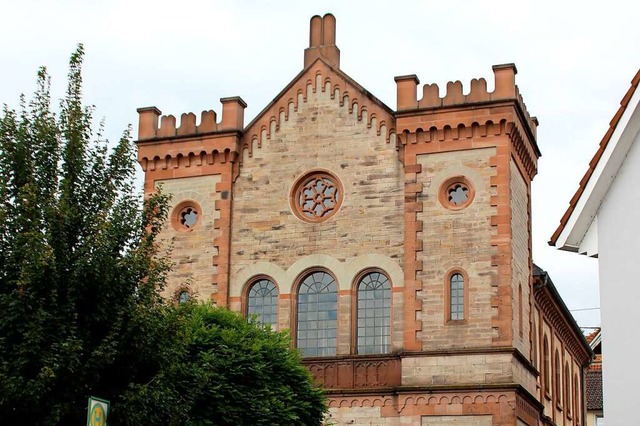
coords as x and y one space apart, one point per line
186 216
456 193
316 196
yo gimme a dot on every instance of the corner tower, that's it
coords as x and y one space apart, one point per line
482 148
195 163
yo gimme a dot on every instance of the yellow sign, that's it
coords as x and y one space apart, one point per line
97 412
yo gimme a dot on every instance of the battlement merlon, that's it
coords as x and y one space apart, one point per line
505 89
232 120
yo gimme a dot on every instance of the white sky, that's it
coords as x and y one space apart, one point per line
575 61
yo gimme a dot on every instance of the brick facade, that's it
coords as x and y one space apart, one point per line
457 357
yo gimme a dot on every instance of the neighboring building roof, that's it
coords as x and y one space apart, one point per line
546 283
586 184
594 390
591 336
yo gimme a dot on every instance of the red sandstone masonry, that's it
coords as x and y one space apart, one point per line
498 119
170 152
390 163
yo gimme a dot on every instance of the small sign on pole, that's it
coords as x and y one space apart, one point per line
97 411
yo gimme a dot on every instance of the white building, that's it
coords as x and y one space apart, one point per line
602 222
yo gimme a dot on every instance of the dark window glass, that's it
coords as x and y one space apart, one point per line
374 314
456 293
317 315
184 297
547 365
263 302
557 367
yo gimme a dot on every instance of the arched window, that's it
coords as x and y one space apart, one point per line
546 365
316 333
374 314
456 297
558 370
184 297
262 301
520 326
534 345
567 389
576 398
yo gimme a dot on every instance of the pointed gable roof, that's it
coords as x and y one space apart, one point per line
586 201
321 72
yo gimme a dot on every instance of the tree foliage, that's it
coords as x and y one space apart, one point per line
231 371
80 275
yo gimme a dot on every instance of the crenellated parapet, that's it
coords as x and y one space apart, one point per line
504 89
163 145
476 114
232 119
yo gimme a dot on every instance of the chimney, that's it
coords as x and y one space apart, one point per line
322 41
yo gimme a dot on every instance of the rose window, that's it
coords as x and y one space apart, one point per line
188 217
317 196
458 194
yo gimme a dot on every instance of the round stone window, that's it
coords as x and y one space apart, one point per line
456 193
186 216
316 196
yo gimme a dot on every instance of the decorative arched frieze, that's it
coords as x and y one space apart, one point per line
339 86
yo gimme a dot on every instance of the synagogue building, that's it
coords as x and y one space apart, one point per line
395 244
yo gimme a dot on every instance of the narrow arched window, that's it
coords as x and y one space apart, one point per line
567 389
374 314
456 297
184 297
558 374
316 333
520 325
546 365
534 345
262 301
576 398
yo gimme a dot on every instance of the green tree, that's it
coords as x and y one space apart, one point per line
80 310
231 371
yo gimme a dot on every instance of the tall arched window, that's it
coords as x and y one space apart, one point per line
520 325
316 333
558 370
576 399
546 365
567 389
456 297
534 345
262 301
374 314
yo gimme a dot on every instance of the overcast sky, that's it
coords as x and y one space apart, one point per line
575 61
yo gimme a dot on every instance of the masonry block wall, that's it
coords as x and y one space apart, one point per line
433 198
456 240
191 249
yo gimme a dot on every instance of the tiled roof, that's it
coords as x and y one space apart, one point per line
596 158
592 335
596 364
594 390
